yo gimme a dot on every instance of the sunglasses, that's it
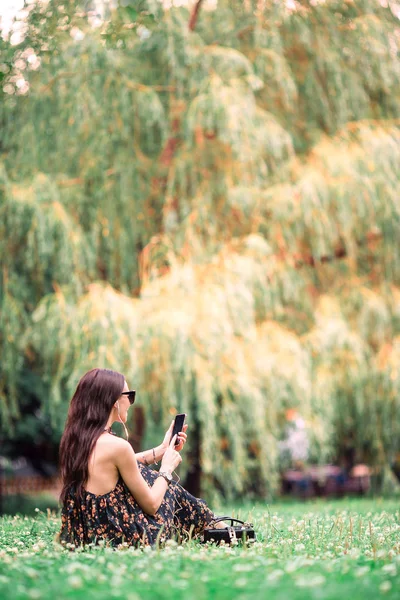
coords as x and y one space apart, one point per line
131 396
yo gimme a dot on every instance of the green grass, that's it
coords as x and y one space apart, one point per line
343 549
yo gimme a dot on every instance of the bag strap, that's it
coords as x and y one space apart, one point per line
231 519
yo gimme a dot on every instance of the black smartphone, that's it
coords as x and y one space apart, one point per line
178 426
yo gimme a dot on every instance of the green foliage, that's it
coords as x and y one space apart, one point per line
212 210
28 504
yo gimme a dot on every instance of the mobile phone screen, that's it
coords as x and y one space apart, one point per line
178 426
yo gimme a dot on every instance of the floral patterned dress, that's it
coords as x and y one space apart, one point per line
116 517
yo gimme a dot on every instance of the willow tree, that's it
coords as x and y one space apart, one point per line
206 198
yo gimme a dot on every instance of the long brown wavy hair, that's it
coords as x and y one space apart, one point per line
87 416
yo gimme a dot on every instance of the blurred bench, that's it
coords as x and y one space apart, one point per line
326 480
28 485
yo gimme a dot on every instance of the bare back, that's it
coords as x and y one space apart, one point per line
113 457
103 472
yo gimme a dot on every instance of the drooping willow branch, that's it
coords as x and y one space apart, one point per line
132 85
172 143
194 15
340 252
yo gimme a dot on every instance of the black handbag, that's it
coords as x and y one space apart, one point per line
240 532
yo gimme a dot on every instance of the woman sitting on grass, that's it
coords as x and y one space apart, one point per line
109 492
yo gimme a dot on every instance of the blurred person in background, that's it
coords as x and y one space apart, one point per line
295 446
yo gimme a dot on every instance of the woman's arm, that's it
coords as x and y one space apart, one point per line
148 498
148 457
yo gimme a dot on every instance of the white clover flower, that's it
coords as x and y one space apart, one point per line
275 575
299 547
77 34
20 64
292 566
34 62
345 569
75 581
390 569
32 573
310 580
385 586
242 567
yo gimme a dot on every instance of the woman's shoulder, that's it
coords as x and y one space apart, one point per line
110 449
113 443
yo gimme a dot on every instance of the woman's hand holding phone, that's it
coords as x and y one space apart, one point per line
171 458
182 438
